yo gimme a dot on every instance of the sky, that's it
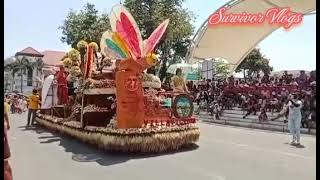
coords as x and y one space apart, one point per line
35 23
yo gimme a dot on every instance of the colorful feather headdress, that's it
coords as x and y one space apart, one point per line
125 41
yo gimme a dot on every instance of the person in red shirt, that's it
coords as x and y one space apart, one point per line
61 78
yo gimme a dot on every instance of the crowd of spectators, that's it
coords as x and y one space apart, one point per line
256 95
17 103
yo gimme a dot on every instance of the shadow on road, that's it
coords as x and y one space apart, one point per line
88 153
32 128
294 145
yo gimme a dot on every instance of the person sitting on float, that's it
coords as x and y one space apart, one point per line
178 82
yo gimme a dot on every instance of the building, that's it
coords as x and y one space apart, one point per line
33 76
52 59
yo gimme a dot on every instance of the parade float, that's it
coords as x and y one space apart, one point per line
122 109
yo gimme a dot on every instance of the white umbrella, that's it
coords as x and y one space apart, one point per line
186 68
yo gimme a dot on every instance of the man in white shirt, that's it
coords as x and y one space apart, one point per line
293 107
294 119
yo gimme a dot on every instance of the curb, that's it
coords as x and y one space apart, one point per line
284 129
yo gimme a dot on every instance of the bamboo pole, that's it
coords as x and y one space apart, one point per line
52 100
82 103
82 64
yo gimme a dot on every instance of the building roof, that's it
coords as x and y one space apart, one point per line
53 58
29 51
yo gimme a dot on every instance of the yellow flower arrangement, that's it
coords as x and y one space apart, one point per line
74 54
152 59
67 62
82 44
94 45
75 63
75 70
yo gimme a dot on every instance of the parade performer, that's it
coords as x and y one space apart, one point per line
292 110
61 78
294 118
178 83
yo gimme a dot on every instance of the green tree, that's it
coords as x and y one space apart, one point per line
254 63
222 68
85 24
20 66
149 14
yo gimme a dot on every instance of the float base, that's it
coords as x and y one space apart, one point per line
146 140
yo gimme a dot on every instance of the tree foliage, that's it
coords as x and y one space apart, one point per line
38 65
150 13
85 24
222 68
254 63
20 65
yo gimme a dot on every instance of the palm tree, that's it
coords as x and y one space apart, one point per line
20 65
9 68
38 65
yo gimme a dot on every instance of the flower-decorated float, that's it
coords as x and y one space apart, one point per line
123 109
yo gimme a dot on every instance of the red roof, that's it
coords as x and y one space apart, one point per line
29 51
53 58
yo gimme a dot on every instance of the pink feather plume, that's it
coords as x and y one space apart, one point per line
155 37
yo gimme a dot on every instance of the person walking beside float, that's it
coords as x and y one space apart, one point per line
7 153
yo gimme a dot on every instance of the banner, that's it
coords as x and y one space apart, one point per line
193 76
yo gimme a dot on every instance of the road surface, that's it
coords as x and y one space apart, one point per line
223 153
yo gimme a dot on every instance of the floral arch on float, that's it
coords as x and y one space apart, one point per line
234 43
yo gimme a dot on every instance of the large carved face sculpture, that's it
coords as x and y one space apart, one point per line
131 83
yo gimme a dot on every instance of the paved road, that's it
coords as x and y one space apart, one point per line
224 153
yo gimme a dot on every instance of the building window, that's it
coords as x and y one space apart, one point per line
29 80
